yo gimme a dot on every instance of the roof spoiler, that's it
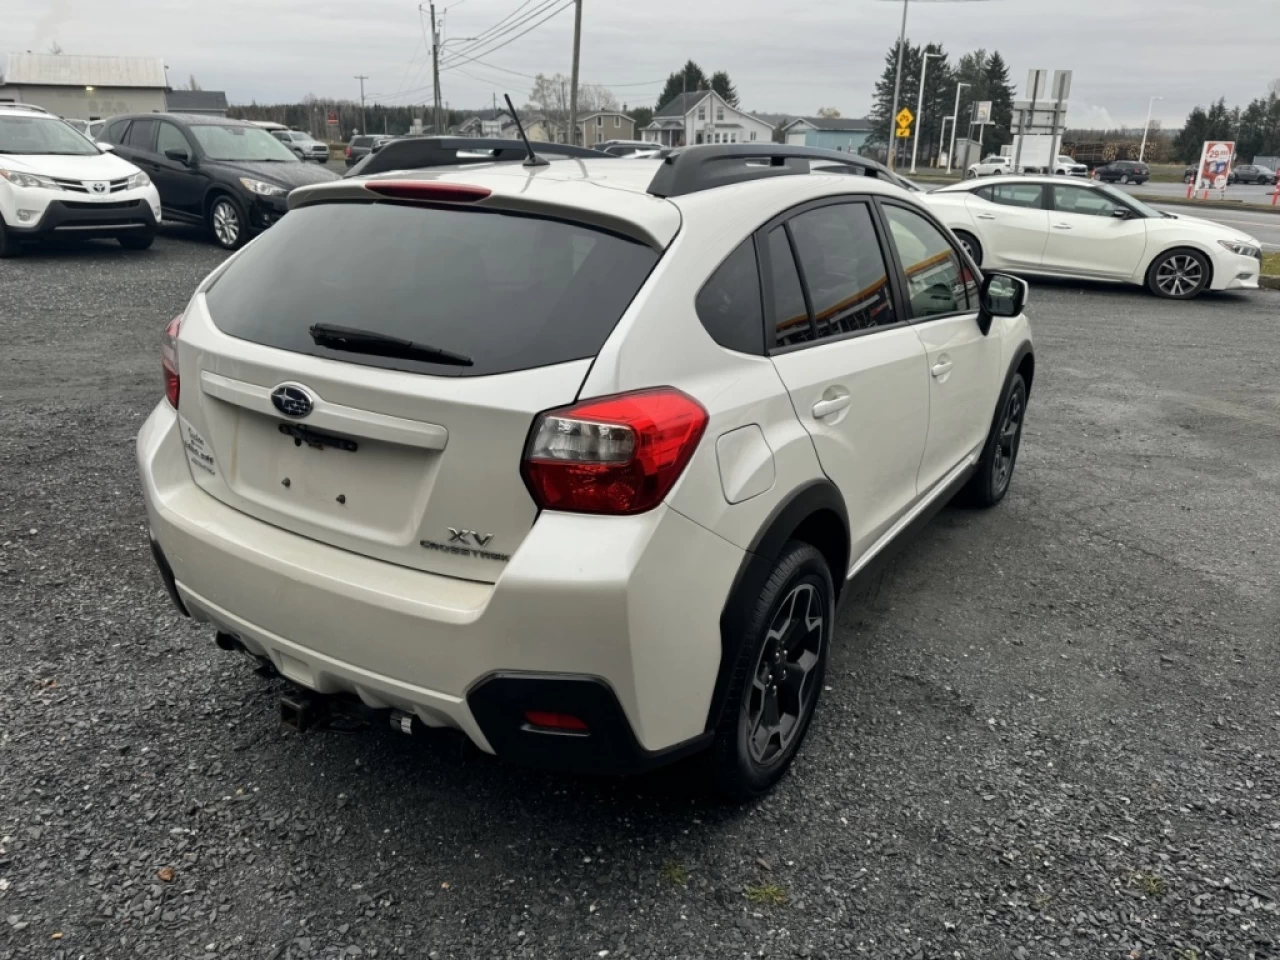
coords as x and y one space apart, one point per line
414 153
704 167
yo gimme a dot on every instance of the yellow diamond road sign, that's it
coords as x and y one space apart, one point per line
904 117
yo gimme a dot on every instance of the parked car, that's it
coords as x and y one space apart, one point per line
1123 171
1189 173
1249 173
94 128
1042 226
303 145
628 148
230 175
56 183
1067 167
655 572
361 146
79 126
989 166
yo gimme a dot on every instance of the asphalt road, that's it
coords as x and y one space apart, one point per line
1052 728
1245 193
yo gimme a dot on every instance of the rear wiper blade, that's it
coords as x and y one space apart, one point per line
353 340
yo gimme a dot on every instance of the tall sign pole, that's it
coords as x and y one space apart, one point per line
897 81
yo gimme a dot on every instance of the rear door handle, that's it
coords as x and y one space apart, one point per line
941 368
825 408
986 216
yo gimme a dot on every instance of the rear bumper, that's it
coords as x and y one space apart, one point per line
614 617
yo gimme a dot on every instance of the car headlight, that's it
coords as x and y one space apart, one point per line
262 188
1243 247
139 179
28 180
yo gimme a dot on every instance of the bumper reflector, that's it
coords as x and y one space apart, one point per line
560 722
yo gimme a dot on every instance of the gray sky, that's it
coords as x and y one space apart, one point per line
784 55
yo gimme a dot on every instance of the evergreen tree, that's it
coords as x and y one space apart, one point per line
939 88
1186 145
689 78
722 85
1000 92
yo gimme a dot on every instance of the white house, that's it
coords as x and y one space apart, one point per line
704 117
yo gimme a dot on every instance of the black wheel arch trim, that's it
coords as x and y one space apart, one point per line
757 564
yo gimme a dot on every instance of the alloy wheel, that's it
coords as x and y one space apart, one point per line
226 223
784 683
1007 441
1179 275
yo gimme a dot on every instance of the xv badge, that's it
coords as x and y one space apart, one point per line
462 536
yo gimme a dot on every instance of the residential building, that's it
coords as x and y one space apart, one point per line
86 88
846 134
605 125
704 117
500 125
208 103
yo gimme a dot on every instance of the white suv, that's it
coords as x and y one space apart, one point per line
992 166
54 182
577 457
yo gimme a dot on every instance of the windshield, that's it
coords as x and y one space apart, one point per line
240 143
44 136
1129 200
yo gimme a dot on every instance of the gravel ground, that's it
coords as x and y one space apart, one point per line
1051 728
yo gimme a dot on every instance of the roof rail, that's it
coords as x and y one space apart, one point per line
414 153
704 167
22 106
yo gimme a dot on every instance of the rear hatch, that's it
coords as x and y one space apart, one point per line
412 457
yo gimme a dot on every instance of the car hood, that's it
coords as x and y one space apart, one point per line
282 174
1208 229
103 166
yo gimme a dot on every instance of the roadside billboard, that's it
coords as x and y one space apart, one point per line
1215 164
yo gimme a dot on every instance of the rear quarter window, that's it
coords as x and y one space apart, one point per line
511 292
729 304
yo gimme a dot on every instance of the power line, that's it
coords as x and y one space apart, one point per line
530 28
484 34
498 32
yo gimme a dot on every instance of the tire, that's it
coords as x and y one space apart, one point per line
750 753
990 483
1178 274
136 241
1124 178
971 175
9 245
971 245
227 222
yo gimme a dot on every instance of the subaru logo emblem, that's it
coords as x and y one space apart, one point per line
292 401
98 187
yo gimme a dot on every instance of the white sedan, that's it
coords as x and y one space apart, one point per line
1041 225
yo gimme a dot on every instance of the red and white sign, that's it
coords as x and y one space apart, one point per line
333 118
1214 166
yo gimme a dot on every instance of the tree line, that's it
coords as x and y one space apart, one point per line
987 76
1255 128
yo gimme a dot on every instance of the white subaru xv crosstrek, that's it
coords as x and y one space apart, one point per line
56 183
577 458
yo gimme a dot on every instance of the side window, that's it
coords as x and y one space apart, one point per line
171 138
1015 194
1081 200
141 135
938 281
114 132
729 302
843 269
790 313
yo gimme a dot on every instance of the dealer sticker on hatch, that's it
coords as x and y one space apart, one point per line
198 453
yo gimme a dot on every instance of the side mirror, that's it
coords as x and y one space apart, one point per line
108 147
1120 213
1001 296
178 156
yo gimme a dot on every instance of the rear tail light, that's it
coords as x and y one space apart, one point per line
169 360
614 455
348 153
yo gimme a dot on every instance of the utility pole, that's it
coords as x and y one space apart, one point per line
577 54
915 141
435 68
955 121
897 84
362 78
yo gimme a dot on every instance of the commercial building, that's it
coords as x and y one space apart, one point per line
86 88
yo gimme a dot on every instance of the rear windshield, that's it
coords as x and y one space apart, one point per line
511 292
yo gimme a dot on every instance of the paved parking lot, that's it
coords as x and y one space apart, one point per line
1052 729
